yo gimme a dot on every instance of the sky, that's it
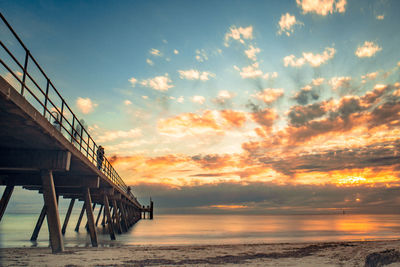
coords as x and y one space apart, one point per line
263 107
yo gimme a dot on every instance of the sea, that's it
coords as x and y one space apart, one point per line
16 229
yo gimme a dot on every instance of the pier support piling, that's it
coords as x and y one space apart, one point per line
80 218
53 218
151 209
117 218
109 219
87 223
71 205
98 216
123 215
103 221
90 217
39 224
5 198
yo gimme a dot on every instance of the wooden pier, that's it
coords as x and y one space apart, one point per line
45 147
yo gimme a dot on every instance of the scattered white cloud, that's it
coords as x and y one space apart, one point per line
368 49
201 55
369 76
315 60
180 99
306 88
251 71
270 75
293 62
165 41
159 83
317 81
9 77
251 52
224 94
85 105
269 95
127 102
198 99
240 34
337 82
287 23
155 52
322 7
150 62
176 52
195 75
133 81
380 17
145 97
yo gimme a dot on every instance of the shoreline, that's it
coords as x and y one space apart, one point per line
346 253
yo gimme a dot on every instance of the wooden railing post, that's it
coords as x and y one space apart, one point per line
25 70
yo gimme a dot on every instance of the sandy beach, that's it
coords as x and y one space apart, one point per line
368 253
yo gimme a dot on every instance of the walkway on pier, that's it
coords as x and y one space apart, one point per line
45 147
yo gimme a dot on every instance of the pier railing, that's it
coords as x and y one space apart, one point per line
39 90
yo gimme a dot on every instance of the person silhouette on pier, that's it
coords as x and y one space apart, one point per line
56 122
100 157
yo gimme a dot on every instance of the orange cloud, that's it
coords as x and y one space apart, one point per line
352 141
228 206
265 117
212 122
214 161
269 95
166 160
234 118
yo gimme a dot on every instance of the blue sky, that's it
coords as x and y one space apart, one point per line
201 93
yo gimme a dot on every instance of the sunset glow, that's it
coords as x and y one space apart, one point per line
266 104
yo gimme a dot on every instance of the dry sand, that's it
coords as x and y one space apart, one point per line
379 253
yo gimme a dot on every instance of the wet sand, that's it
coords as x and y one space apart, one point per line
379 253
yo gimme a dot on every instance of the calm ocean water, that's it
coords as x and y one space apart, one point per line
16 229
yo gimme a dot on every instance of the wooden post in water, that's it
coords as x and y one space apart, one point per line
71 205
90 217
103 222
39 224
53 218
80 218
98 216
5 198
118 221
151 209
112 212
123 215
87 223
109 219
